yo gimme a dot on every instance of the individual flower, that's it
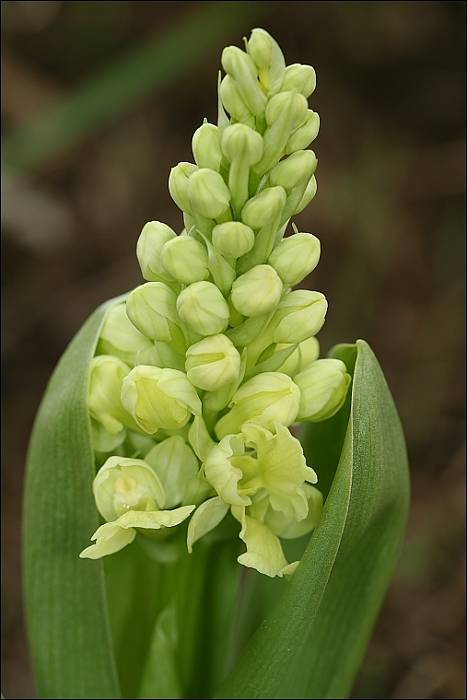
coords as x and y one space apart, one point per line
267 398
152 239
203 308
120 338
130 496
323 388
257 291
212 362
159 398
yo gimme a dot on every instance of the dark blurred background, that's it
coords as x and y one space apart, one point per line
100 99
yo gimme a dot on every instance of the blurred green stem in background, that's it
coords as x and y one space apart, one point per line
143 70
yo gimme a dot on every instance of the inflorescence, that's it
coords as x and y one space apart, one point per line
199 375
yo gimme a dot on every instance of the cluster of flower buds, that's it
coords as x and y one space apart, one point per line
199 375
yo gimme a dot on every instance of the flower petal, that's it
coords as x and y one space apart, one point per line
205 518
110 538
264 551
154 520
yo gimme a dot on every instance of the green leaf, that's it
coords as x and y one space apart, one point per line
65 597
312 642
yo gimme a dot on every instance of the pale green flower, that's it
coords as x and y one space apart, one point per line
123 484
239 66
267 398
159 398
264 551
295 257
304 134
257 291
179 179
323 388
130 496
300 78
295 169
212 362
151 307
288 529
300 314
148 250
281 469
111 537
185 259
106 375
203 308
208 194
206 147
233 239
119 337
302 356
268 59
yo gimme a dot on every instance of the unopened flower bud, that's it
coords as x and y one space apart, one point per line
206 146
234 103
106 374
263 207
323 388
243 147
119 337
159 398
304 134
295 257
241 68
268 59
299 78
203 308
266 399
287 107
208 194
178 185
304 354
233 239
257 291
151 308
284 113
291 171
212 363
123 484
153 237
299 315
185 259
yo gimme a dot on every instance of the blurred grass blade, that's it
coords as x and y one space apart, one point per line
145 69
311 644
66 608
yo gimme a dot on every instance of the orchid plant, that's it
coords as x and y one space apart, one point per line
193 426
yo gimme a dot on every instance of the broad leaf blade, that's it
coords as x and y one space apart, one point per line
311 644
65 597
